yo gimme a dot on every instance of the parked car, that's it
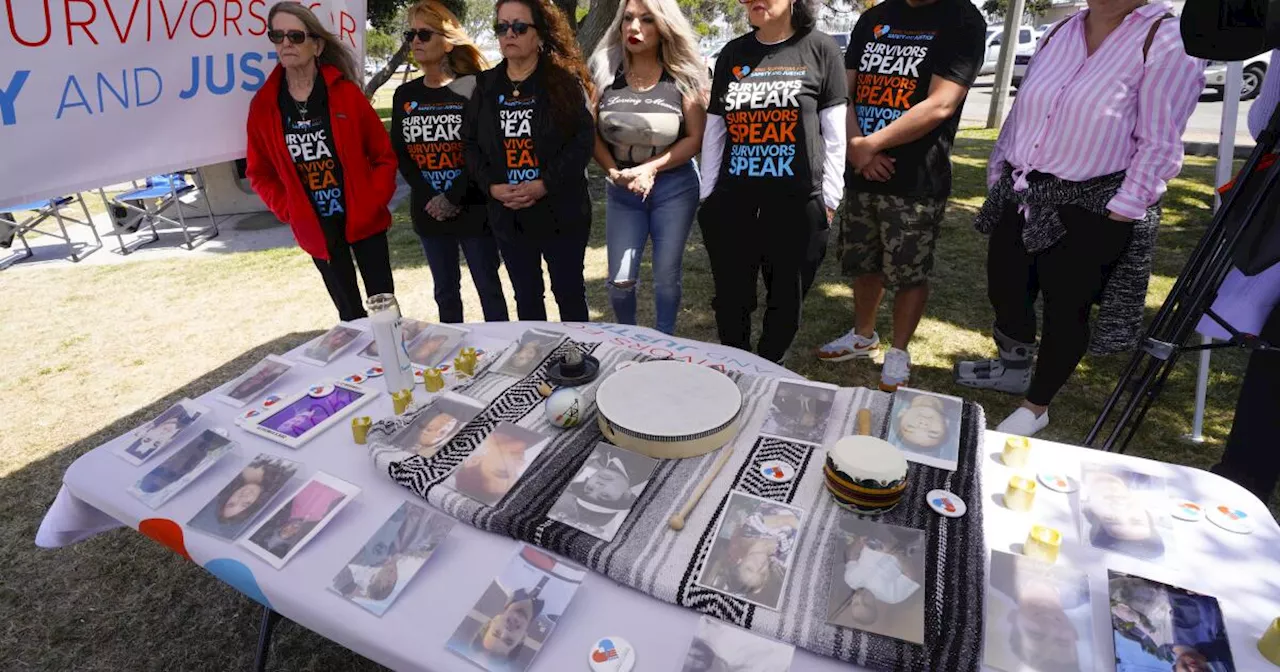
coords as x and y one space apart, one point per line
1215 75
1027 37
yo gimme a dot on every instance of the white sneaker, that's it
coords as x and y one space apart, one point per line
896 370
1023 422
849 346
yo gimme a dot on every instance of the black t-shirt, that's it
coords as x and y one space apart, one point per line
426 131
308 135
897 49
770 96
515 125
639 125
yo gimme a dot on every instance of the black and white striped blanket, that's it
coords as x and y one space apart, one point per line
648 556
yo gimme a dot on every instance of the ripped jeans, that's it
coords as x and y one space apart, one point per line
666 216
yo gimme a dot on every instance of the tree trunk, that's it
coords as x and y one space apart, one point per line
595 23
570 9
384 75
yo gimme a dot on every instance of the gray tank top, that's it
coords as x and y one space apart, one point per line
638 126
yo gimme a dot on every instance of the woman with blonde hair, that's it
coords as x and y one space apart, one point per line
651 108
448 209
320 158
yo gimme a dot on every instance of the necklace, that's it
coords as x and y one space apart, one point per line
515 83
302 108
642 84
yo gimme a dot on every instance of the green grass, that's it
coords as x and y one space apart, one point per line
94 350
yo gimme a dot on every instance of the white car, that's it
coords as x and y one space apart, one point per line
1027 37
1215 75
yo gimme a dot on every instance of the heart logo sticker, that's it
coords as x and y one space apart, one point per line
612 654
271 400
880 30
741 71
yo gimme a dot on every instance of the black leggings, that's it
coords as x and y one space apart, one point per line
1251 458
1069 276
339 273
783 239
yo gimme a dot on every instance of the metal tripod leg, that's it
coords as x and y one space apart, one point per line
269 621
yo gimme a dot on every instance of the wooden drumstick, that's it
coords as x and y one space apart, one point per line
677 521
864 421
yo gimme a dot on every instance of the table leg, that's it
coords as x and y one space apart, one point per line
269 621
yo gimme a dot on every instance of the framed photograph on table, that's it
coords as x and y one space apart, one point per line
433 427
718 646
494 467
299 519
300 418
247 494
877 579
1162 627
324 349
533 347
182 467
517 613
1038 617
926 426
253 383
602 493
752 549
434 344
409 330
144 442
799 411
1125 511
381 569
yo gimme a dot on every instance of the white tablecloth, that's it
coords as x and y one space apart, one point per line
1241 571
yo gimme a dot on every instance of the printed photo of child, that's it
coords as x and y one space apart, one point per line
382 568
434 344
158 434
800 411
1161 627
181 468
751 551
300 518
533 347
1124 511
433 427
236 505
409 330
493 468
1038 617
878 579
720 647
601 495
324 349
516 615
254 382
926 427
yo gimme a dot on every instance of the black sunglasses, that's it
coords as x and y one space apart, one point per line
295 36
422 34
519 27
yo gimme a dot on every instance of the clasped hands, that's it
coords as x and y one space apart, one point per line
865 156
638 180
519 196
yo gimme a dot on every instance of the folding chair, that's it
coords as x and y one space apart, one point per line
162 193
42 211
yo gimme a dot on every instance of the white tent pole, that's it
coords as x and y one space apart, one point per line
1224 172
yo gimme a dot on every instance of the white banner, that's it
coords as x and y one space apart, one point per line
94 92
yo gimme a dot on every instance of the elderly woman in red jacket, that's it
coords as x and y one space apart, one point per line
321 159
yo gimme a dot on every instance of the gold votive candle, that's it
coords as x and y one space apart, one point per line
465 363
1043 544
1269 643
1020 494
360 429
1017 450
432 380
401 400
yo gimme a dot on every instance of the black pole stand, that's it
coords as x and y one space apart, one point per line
269 620
1191 297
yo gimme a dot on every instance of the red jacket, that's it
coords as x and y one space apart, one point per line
364 149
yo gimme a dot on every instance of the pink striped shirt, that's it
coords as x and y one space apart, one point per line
1078 116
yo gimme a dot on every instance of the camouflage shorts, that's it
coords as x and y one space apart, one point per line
893 235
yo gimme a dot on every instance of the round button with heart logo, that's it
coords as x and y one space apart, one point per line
320 391
777 471
1058 482
946 504
374 372
1186 510
1230 519
354 379
271 400
612 654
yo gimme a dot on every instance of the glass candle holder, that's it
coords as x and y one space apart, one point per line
360 429
1017 450
1020 494
400 401
432 380
1043 544
1269 643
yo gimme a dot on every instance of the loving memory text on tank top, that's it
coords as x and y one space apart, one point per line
639 125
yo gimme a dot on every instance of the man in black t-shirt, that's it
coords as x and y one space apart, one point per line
909 64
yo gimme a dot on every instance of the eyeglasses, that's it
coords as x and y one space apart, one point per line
518 27
295 36
422 34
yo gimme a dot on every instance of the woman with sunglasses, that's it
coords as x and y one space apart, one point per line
651 109
321 159
426 129
529 138
773 169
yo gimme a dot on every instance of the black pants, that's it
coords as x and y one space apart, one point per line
1069 276
339 273
783 239
565 254
1251 457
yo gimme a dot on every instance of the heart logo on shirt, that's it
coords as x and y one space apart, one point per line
408 107
880 30
741 71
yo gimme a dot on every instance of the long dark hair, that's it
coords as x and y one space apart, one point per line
333 53
803 15
565 72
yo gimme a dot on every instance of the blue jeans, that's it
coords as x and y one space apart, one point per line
482 259
666 216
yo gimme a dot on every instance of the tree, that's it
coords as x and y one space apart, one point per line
996 8
380 46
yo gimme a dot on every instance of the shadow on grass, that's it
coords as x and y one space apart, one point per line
74 607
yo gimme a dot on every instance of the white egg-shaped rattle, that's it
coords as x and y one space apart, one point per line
565 408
